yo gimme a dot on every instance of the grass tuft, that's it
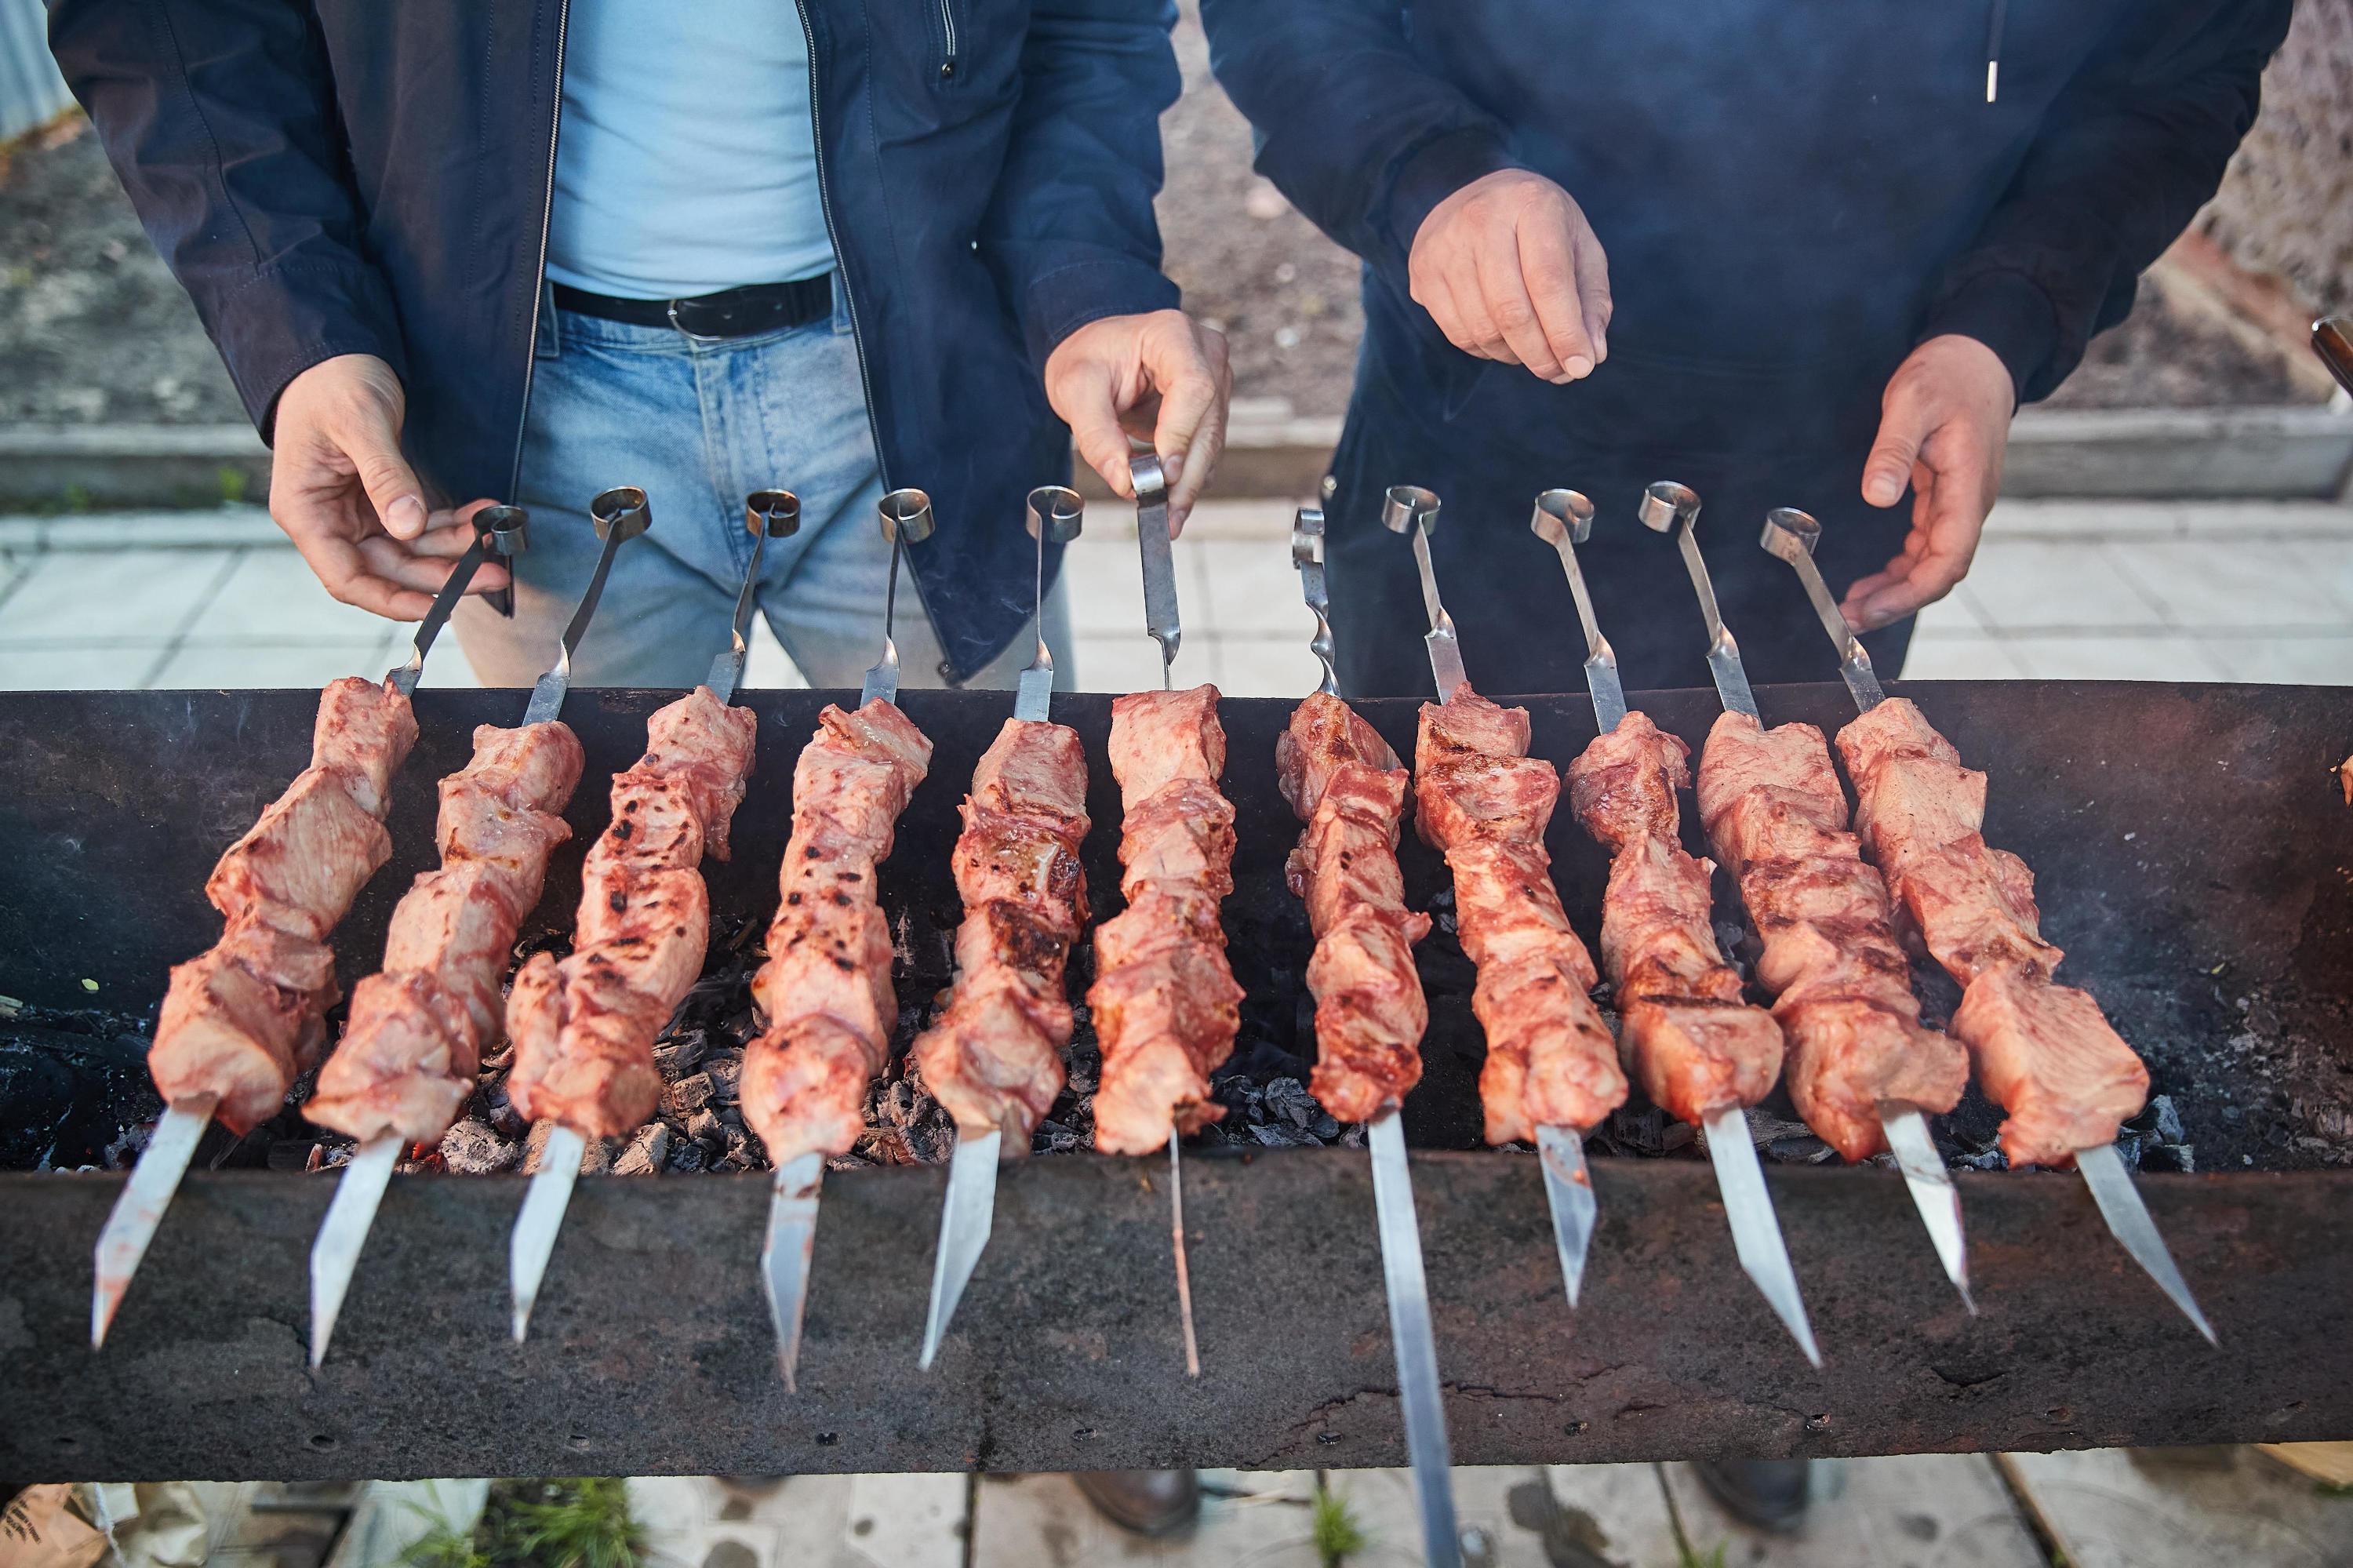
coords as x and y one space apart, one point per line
1338 1536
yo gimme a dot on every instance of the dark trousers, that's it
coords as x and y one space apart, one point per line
1505 587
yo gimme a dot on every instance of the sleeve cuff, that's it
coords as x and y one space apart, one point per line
292 316
2010 314
1067 298
1435 170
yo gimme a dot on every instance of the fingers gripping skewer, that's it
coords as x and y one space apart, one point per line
1906 1131
497 531
906 519
1056 514
1791 535
767 514
619 515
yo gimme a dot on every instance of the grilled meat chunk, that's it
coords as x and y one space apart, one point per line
583 1027
1485 802
419 1028
826 990
1842 988
992 1057
242 1019
1347 785
1166 1005
1692 1041
2044 1052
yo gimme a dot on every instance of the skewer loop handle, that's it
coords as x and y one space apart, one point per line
1562 515
1666 507
1409 505
622 512
906 514
504 530
772 513
1790 534
1056 514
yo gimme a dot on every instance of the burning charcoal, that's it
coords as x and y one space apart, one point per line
1442 899
1679 1135
689 1095
1326 1127
594 1160
680 1055
1764 1128
473 1149
1053 1138
1803 1150
725 1071
847 1163
685 1154
1288 1099
1277 1137
1213 1136
731 1114
1353 1136
500 1112
1982 1159
2170 1157
647 1153
2168 1118
703 1126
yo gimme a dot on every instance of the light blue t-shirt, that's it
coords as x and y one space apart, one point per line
686 158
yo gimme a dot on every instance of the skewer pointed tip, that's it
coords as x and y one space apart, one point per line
1568 1192
2128 1220
335 1254
1411 1339
784 1259
1755 1230
532 1242
1176 1236
140 1210
1933 1192
965 1221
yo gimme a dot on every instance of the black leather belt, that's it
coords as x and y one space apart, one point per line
730 312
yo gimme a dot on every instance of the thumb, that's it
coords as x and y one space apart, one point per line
1902 427
371 440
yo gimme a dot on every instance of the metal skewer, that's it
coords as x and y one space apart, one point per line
1159 566
1055 515
1933 1193
619 515
1563 519
499 531
1791 535
1413 511
906 518
767 514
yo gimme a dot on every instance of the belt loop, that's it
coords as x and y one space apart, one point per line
842 322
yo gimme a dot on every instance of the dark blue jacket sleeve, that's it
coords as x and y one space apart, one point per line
1353 127
220 118
1070 231
2122 163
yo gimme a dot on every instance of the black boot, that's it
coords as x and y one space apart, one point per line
1149 1502
1770 1494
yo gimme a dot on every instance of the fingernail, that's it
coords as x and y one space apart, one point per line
1579 366
1562 379
406 519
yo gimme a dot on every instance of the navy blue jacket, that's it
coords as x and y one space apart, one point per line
363 176
1792 193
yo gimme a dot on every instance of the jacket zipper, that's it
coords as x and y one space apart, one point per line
948 36
539 274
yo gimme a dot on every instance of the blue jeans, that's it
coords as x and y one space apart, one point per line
699 424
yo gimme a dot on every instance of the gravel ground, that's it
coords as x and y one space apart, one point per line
93 329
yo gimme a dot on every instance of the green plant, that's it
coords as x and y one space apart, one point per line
576 1524
233 485
1713 1558
447 1546
1338 1536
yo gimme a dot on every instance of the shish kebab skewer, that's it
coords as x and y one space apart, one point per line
1165 1002
826 992
1349 787
1701 1053
1860 1069
583 1027
1552 1071
420 1026
2044 1052
243 1017
993 1056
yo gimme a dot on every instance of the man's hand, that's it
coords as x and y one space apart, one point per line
1944 424
1509 270
1161 377
343 494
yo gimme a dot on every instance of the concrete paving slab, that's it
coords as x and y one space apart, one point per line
2294 660
2112 657
1104 580
272 595
2330 564
1960 656
125 595
200 666
71 667
1265 666
1249 588
1249 1520
1131 664
1560 1516
1928 1511
2250 585
2182 1508
2032 585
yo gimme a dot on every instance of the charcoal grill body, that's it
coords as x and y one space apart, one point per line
2193 856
